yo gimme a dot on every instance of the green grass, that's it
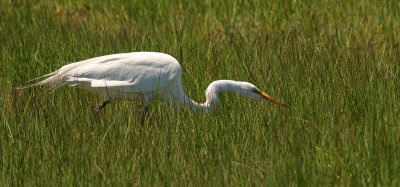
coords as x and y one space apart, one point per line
336 63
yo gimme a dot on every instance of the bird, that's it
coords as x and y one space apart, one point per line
142 76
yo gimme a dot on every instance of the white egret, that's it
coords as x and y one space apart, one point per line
142 76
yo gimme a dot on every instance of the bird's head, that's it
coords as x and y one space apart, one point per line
253 92
243 88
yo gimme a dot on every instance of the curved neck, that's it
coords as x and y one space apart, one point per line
212 99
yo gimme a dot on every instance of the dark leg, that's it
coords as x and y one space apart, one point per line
101 106
144 113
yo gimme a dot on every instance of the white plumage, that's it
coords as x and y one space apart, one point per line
141 76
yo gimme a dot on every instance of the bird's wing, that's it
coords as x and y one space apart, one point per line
95 83
110 84
138 72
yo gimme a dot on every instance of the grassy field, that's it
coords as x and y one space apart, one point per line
336 63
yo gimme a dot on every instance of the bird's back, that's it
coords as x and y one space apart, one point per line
137 72
125 67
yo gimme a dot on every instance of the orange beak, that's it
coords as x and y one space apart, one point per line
268 97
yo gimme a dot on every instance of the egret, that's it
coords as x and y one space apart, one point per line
142 76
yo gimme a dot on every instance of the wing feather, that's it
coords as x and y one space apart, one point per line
109 84
143 72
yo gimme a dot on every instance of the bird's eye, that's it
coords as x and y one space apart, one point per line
255 90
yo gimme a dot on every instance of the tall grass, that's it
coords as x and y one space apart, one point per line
336 63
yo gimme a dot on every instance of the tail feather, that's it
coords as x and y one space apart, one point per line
52 79
47 75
